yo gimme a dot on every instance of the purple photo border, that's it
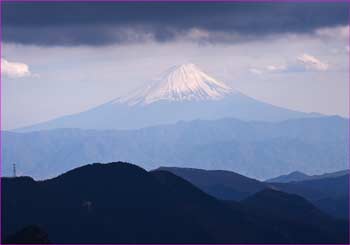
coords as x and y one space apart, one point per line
189 1
348 120
0 122
197 1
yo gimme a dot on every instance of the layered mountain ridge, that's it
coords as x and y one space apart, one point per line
329 192
257 149
122 203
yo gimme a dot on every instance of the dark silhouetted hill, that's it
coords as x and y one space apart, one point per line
289 210
28 235
331 194
122 203
225 185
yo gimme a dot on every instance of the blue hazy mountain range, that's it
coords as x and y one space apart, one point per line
329 192
122 116
182 93
260 150
299 176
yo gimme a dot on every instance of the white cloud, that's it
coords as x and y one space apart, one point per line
339 32
255 71
312 63
197 34
302 63
268 69
276 68
14 69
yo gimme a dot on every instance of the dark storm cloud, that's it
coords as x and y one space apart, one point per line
107 23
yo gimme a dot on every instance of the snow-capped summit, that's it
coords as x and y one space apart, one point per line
180 83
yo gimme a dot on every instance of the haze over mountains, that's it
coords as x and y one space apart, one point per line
256 149
182 93
299 176
184 118
222 144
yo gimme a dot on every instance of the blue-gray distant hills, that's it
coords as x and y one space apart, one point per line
122 116
329 192
183 93
256 149
297 176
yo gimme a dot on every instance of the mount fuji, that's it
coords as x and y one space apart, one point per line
180 83
182 93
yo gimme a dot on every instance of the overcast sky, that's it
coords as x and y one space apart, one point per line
63 58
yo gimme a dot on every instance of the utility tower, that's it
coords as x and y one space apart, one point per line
14 170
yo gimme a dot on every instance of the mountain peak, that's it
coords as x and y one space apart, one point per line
186 82
187 66
293 176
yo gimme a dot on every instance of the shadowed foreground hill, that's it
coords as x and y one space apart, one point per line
289 210
122 203
30 235
330 194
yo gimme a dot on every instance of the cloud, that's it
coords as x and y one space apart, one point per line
255 71
276 68
312 63
341 32
302 63
197 34
105 23
269 69
14 69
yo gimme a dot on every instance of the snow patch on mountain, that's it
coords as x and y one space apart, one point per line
180 83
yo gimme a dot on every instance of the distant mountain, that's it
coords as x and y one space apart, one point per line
318 188
299 176
183 93
256 149
179 83
330 175
330 194
293 176
224 185
122 203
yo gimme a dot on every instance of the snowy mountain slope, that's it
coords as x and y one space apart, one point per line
182 93
180 83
